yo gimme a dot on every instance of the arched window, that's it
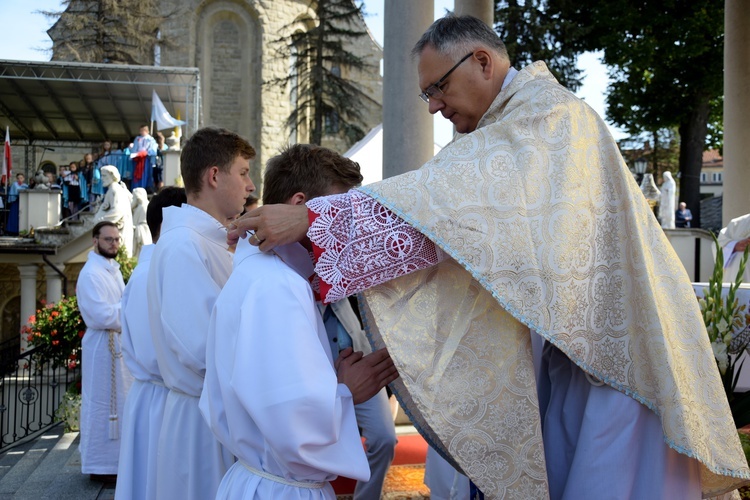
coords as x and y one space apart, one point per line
332 117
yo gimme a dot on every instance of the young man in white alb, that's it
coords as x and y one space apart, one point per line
272 394
190 264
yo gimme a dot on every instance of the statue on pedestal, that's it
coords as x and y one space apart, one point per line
116 206
650 191
41 181
141 232
667 201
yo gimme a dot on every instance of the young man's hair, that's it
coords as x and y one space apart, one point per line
99 225
210 147
170 196
308 169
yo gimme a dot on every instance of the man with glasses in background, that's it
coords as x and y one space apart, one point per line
105 380
526 230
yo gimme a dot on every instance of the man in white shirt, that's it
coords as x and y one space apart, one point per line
105 379
189 267
272 394
144 407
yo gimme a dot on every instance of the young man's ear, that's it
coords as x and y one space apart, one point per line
211 177
297 199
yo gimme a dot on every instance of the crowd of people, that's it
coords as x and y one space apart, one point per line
535 328
140 164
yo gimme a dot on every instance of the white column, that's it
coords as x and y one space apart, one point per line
54 283
407 124
736 109
28 274
481 9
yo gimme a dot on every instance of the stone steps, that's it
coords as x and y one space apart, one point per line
67 232
48 468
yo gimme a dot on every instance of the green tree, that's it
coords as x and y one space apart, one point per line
535 30
107 31
326 101
666 68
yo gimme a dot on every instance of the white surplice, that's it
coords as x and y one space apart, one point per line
271 393
189 266
99 290
144 407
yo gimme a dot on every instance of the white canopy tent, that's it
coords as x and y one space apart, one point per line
368 152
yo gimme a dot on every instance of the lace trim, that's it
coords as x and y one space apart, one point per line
359 243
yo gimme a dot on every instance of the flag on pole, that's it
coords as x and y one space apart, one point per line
7 163
160 115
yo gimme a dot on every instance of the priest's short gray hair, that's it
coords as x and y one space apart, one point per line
456 35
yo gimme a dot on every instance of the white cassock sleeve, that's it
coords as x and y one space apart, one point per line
189 292
98 309
284 379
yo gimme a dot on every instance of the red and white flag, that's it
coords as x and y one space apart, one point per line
7 166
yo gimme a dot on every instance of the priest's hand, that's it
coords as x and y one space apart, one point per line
365 375
274 225
741 245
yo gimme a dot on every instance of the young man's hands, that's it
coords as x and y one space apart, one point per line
365 375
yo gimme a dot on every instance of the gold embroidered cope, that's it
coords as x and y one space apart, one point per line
547 230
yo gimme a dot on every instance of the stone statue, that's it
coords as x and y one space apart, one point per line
649 190
116 206
41 180
141 232
667 201
173 142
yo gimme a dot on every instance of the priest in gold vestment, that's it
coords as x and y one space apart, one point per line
528 229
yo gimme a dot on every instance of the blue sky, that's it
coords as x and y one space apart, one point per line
24 37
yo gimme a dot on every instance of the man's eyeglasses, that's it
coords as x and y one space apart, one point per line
434 89
109 239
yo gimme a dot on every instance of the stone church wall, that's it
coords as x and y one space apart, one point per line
232 43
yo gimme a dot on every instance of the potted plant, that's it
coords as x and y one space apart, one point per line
55 332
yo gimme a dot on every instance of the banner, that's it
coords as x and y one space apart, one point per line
7 161
160 115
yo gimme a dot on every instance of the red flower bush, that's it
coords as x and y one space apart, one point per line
58 328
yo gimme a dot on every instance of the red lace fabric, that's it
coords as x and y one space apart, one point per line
358 243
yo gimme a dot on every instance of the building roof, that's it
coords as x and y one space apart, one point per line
712 158
49 103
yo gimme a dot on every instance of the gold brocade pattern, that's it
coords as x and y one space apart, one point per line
549 232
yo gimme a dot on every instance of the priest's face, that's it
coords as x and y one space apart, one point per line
108 242
462 101
233 187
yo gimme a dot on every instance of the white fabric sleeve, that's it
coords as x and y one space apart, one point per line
189 293
284 379
97 312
